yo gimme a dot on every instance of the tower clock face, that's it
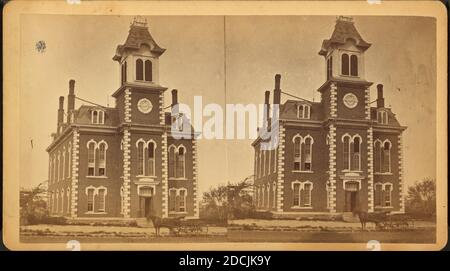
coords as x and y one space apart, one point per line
350 100
144 105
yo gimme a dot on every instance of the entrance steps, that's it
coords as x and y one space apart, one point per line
143 223
349 217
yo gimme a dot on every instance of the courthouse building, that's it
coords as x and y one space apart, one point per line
337 155
124 161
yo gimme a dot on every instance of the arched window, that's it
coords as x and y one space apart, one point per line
172 154
296 188
140 148
264 163
356 156
303 111
139 69
97 117
102 159
377 156
297 153
387 194
300 112
386 157
91 158
182 200
151 158
181 162
64 163
260 162
59 166
354 65
172 199
308 154
345 64
382 117
274 197
50 162
346 151
148 71
256 164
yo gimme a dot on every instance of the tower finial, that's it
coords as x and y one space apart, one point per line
344 18
139 21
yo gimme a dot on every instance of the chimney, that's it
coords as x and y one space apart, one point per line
60 112
277 90
174 97
267 107
380 99
70 99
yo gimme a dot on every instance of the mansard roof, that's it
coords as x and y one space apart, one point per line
138 35
343 30
392 120
83 115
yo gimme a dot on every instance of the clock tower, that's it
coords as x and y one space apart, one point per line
346 101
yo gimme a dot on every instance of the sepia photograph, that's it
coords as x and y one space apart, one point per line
141 128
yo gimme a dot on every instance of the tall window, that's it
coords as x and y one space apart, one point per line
182 202
329 67
124 72
148 70
377 156
181 162
177 162
57 202
151 159
172 199
68 200
264 162
50 170
305 198
354 65
274 197
386 157
260 162
91 159
356 156
297 153
101 199
172 154
345 64
59 166
296 187
102 159
387 194
140 158
139 69
378 194
64 163
307 161
69 150
90 199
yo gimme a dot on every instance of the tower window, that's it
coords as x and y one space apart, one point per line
345 65
148 71
124 72
329 67
139 69
354 65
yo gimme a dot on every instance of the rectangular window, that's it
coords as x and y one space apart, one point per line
101 200
306 195
377 195
180 163
90 200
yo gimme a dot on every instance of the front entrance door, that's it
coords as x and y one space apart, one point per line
351 201
145 206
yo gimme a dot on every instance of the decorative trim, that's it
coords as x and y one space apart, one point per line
400 173
165 173
370 169
333 100
126 172
75 163
127 105
332 168
195 179
161 106
367 102
280 164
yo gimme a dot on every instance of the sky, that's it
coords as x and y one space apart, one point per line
226 60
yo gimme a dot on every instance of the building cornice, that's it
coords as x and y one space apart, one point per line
344 83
